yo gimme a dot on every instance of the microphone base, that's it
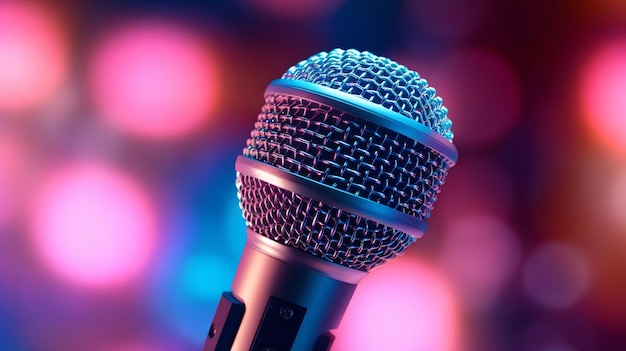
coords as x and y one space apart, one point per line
282 299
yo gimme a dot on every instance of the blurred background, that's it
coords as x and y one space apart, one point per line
120 122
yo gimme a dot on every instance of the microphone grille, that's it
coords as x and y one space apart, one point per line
335 148
338 148
379 80
317 228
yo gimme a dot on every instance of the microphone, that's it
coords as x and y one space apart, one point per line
339 176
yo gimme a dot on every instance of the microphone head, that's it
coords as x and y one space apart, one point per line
379 80
346 158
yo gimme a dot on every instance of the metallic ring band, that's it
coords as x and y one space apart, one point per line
294 256
331 196
368 111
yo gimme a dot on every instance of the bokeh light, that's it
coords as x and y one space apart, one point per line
616 197
139 346
602 94
203 248
153 79
490 190
492 109
93 226
33 55
171 89
198 285
482 253
602 195
404 305
8 327
13 176
546 336
450 19
556 275
303 9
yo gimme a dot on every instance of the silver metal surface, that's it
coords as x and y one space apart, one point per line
338 149
367 110
331 196
296 257
318 229
379 80
352 152
261 276
339 175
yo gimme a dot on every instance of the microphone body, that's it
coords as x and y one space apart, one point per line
339 176
292 300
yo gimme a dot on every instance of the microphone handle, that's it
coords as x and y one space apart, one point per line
282 299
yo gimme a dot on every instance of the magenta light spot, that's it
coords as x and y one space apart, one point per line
93 226
482 92
603 95
481 253
139 347
33 56
616 197
449 19
556 275
295 9
477 186
153 79
13 176
548 335
404 305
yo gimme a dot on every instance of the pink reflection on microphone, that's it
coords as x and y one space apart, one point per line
404 305
93 226
153 79
33 56
602 95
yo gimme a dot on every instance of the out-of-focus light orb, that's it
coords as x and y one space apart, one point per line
193 270
198 267
138 347
93 226
482 91
404 305
202 281
295 9
153 79
556 275
449 19
481 253
603 94
477 186
617 198
13 174
33 55
186 293
546 335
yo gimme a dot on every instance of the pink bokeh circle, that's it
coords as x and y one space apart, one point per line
153 79
93 226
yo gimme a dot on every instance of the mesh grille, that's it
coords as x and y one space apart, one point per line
377 79
348 153
340 150
316 228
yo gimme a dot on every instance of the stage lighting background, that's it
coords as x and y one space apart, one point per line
138 109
